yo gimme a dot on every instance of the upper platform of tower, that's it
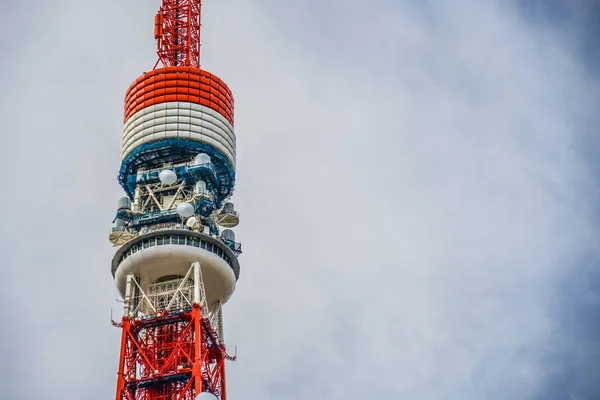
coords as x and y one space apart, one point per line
172 114
178 110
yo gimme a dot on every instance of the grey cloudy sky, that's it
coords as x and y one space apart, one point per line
417 182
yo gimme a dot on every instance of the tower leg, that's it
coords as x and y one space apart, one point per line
121 374
199 386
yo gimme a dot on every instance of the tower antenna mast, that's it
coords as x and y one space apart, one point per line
177 32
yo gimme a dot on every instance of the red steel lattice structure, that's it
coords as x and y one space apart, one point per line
177 30
170 357
175 353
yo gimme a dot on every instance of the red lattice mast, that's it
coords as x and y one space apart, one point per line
177 30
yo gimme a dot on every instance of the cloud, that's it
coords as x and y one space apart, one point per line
412 193
573 349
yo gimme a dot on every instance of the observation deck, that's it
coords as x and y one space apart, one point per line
169 252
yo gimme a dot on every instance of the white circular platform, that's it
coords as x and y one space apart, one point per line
155 262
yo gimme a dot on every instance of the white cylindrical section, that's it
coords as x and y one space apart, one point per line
229 207
179 120
200 187
228 234
196 265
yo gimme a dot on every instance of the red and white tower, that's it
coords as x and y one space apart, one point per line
176 262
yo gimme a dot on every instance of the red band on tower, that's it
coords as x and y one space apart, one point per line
179 84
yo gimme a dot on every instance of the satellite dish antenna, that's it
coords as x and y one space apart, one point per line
228 217
206 396
167 177
185 210
191 222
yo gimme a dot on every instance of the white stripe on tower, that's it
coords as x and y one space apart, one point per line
179 120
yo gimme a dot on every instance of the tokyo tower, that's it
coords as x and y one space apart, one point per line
176 261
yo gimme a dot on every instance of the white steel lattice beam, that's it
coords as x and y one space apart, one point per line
144 298
174 197
178 291
199 292
216 320
151 193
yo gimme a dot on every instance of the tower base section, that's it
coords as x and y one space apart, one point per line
170 357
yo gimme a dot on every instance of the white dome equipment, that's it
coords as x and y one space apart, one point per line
167 176
202 158
206 396
185 210
124 204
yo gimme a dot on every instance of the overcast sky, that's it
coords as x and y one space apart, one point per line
417 183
